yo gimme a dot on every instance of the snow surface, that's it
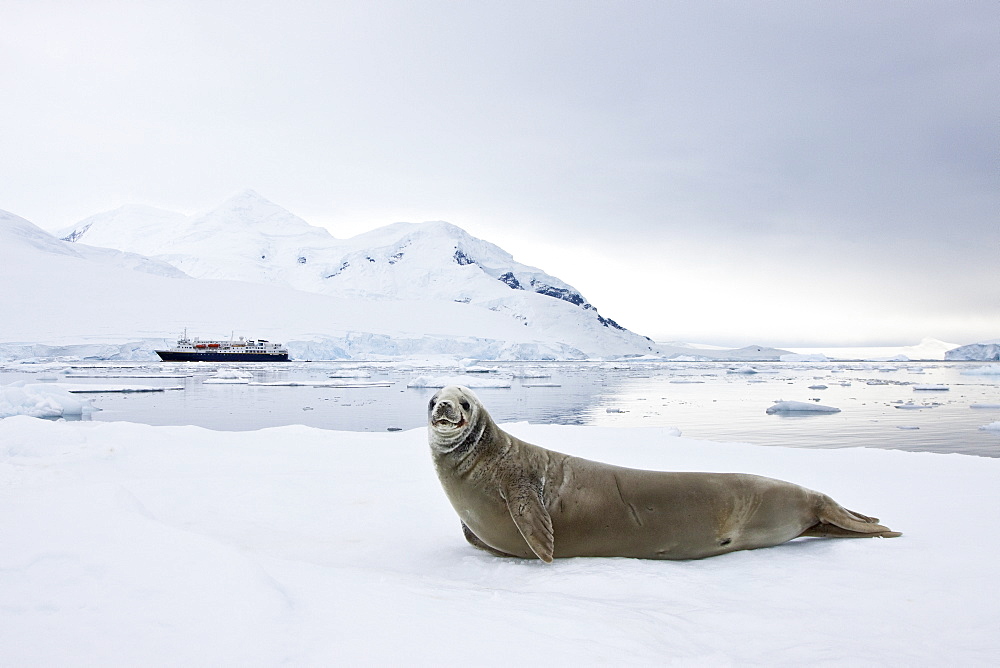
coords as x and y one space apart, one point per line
126 544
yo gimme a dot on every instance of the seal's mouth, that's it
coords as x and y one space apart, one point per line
447 416
447 423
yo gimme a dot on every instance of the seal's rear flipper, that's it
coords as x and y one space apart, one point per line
835 521
823 530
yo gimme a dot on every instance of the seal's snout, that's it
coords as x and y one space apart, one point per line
446 413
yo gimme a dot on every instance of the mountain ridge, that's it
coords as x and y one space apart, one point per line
250 238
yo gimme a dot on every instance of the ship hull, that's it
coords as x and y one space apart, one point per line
214 356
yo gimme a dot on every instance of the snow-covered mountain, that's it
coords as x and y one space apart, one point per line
248 238
62 298
22 236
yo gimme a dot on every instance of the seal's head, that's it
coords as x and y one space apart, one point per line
452 415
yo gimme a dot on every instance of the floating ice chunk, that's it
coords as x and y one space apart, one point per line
229 377
540 385
988 370
320 383
351 373
40 400
286 383
993 426
817 387
907 427
909 405
615 410
468 381
931 388
743 369
117 387
528 373
800 407
986 406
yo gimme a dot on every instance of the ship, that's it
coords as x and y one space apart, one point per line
249 350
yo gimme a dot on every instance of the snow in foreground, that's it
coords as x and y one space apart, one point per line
127 544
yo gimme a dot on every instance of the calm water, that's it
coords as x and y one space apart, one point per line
712 401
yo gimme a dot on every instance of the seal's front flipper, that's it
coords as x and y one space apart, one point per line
478 542
528 511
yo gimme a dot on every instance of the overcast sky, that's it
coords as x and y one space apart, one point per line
739 172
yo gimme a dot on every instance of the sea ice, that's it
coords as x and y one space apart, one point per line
42 400
229 377
800 407
993 426
131 545
529 373
351 373
988 370
488 381
117 387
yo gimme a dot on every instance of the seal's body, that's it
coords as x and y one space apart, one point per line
518 499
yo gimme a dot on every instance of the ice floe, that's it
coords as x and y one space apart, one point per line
42 400
229 377
800 407
131 545
988 370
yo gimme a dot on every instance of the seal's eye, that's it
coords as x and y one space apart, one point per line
465 404
430 406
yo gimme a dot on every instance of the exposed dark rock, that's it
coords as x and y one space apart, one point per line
341 268
76 234
608 322
511 280
462 258
574 298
